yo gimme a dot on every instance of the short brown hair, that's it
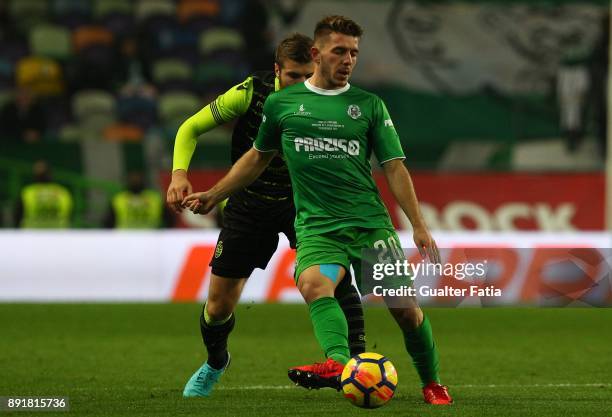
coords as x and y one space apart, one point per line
337 24
296 48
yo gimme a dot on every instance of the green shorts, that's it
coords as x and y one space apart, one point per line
353 246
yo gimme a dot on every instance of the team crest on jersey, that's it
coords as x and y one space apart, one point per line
354 111
219 249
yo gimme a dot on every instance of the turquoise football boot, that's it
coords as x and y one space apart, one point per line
204 379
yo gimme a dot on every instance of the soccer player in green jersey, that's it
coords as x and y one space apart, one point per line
326 130
254 216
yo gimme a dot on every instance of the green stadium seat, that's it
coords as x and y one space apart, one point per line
94 110
51 41
171 69
220 39
147 8
211 77
175 107
91 101
105 7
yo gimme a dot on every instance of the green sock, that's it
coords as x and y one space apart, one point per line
421 347
330 328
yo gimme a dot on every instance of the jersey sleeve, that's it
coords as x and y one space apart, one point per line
234 102
386 141
268 137
228 106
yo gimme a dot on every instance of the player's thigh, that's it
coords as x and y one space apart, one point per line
383 246
318 281
375 246
238 253
322 249
321 263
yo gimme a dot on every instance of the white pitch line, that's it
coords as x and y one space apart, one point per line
567 385
286 387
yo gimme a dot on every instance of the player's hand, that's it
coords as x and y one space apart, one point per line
426 245
200 203
179 188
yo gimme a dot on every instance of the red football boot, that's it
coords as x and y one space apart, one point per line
437 394
318 375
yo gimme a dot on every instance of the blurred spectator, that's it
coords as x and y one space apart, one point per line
254 24
599 83
138 207
255 28
44 204
572 88
22 118
133 75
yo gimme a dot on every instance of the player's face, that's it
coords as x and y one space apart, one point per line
337 57
292 72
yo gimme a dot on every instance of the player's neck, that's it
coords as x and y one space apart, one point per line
320 82
324 88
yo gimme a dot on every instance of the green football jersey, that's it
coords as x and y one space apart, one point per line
327 138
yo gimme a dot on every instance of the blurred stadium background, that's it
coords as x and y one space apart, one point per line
501 107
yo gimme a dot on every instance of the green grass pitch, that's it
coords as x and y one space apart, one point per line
133 360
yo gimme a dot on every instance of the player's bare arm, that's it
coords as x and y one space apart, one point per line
401 186
244 172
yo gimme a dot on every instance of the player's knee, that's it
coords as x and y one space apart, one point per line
218 309
309 290
313 288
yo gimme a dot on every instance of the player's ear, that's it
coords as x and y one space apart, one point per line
315 54
277 69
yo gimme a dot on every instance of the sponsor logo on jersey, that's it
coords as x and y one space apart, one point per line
388 123
354 111
350 147
263 119
302 111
